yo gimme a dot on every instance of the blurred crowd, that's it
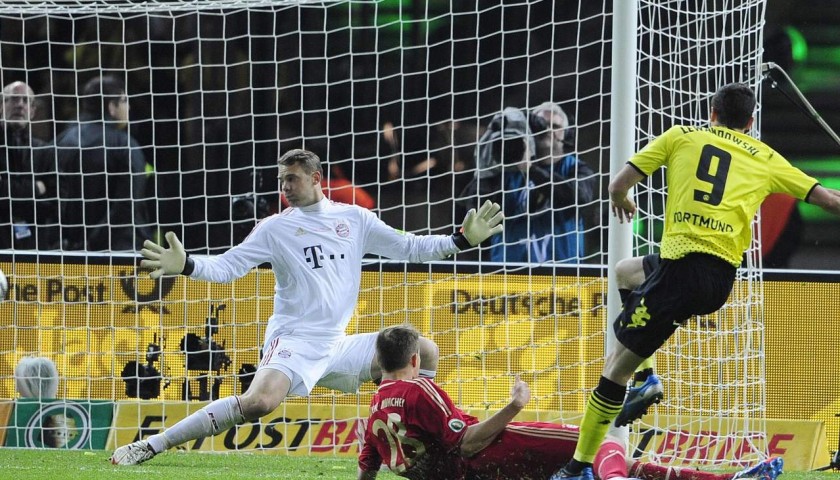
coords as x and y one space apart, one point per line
92 189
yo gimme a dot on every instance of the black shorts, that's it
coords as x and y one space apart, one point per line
697 284
650 262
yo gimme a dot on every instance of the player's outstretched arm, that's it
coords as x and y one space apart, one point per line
480 435
826 198
481 225
164 261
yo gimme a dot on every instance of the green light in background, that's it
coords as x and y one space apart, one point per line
798 44
812 213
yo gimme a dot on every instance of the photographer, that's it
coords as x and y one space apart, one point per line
523 165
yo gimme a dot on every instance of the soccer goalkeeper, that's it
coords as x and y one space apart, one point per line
717 177
315 249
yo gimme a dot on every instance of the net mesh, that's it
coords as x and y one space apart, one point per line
395 98
713 368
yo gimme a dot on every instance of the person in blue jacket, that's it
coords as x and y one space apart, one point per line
525 163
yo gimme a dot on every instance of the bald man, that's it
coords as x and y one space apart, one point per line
28 201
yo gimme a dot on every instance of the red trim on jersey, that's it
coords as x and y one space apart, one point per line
270 351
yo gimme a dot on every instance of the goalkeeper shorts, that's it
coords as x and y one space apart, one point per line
342 364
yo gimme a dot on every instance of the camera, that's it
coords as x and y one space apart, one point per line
143 380
203 354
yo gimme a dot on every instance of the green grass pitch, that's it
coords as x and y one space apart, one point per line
27 464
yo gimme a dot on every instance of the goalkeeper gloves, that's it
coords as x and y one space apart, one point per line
481 225
165 261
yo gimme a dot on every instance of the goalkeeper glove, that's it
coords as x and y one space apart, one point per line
165 261
481 225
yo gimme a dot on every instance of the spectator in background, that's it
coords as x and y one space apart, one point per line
102 181
28 205
36 377
522 164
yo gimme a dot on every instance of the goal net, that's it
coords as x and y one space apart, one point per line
712 368
396 98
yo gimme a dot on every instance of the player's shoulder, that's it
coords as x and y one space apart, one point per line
273 222
342 207
428 388
351 212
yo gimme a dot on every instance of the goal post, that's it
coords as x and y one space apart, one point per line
395 98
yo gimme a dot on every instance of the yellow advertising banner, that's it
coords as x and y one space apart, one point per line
321 430
290 429
697 441
114 334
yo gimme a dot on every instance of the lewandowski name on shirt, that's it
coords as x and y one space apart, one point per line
725 134
702 221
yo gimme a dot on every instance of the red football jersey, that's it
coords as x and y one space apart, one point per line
416 430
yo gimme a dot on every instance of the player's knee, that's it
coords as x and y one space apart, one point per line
629 273
258 405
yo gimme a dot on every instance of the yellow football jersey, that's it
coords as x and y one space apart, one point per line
716 179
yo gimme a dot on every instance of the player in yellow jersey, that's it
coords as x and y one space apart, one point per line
717 177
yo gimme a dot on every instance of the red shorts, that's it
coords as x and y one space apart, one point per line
525 450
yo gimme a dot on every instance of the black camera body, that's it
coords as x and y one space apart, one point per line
539 124
143 380
203 354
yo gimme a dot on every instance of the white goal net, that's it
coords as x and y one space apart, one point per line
687 50
396 98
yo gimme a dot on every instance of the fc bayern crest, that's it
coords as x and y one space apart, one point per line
343 230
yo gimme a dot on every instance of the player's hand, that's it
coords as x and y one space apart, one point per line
164 261
624 208
481 225
520 393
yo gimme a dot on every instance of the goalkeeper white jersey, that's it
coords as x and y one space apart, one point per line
316 254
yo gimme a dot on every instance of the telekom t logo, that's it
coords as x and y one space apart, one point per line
313 255
316 256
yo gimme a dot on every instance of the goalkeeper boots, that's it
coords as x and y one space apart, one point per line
639 399
767 470
133 453
585 474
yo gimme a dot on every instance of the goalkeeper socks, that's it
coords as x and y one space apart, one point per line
601 409
216 417
610 461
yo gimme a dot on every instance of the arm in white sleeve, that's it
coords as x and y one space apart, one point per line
399 245
236 262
